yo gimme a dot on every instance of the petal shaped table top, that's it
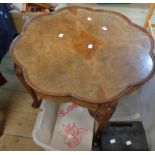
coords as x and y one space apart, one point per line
92 55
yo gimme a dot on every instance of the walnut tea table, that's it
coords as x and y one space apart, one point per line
91 57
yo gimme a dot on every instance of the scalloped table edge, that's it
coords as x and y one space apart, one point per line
126 90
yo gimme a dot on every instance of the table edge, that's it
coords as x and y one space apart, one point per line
120 94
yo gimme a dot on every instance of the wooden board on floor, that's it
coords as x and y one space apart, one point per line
16 101
16 143
19 124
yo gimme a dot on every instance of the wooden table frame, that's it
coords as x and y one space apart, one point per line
36 101
101 111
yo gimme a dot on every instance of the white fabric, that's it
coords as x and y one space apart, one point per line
73 129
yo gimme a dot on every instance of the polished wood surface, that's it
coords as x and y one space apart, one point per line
120 57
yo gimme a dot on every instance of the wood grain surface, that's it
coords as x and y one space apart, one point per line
120 57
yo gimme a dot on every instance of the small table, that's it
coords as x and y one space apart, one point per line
91 57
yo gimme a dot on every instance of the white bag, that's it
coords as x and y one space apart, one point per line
73 129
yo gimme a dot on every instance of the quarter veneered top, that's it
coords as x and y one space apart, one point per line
92 55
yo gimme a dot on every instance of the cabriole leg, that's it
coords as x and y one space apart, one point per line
19 73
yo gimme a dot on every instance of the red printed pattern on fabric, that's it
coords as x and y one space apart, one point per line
72 134
68 109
